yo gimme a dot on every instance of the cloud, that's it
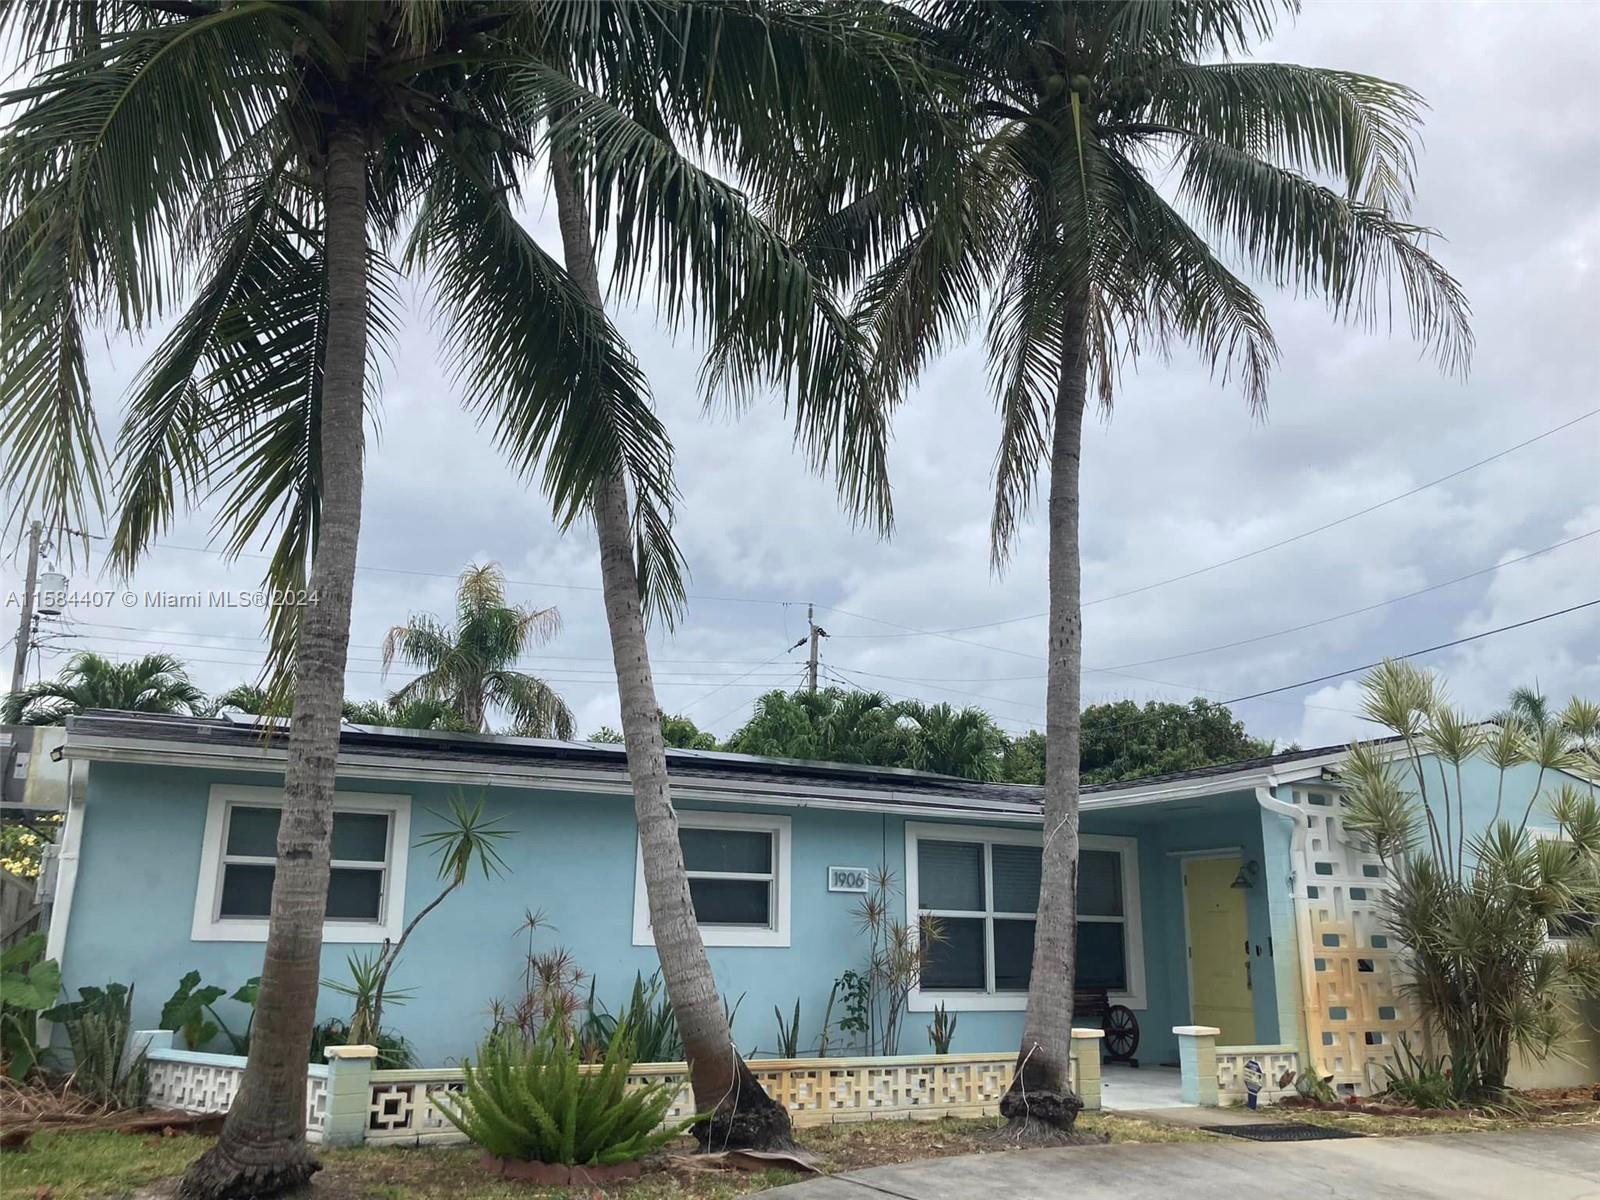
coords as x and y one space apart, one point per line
1178 477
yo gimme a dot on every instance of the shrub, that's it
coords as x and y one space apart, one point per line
1418 1080
530 1100
29 983
394 1052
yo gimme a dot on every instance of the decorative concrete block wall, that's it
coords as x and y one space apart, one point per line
1279 1066
348 1101
1355 1014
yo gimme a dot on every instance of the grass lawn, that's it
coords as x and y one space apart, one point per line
89 1166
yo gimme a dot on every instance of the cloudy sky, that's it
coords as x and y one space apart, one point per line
1180 477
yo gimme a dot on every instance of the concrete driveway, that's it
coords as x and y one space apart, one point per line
1541 1164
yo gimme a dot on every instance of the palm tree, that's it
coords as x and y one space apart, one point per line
469 666
250 698
261 159
640 100
272 154
155 683
418 713
1115 156
954 741
832 724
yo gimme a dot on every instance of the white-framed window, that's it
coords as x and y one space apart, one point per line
983 885
738 868
366 880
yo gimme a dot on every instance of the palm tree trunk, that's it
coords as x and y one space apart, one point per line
263 1149
743 1115
1040 1104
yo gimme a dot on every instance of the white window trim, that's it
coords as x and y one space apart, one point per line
209 927
777 934
1127 847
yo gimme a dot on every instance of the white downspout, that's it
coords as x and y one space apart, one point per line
1302 912
66 871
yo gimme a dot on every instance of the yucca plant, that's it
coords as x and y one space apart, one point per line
98 1024
1474 915
530 1100
788 1032
943 1030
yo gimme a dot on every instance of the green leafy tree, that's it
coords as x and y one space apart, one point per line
153 683
681 733
1117 159
470 665
762 87
1121 740
1023 758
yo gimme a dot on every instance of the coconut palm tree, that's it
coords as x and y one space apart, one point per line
261 161
154 683
258 160
469 666
1117 162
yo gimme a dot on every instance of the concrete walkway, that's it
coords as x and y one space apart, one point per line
1547 1164
1126 1089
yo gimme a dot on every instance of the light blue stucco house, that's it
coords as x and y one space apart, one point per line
1230 896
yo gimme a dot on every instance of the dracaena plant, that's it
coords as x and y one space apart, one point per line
1473 907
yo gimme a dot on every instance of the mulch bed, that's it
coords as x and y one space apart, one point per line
1539 1102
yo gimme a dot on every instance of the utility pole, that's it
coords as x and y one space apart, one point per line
19 667
816 635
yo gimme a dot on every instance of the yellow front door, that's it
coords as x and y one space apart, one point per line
1219 949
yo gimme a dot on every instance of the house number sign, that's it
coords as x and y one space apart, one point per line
847 879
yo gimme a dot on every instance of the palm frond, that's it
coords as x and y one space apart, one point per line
1303 235
1355 127
535 707
565 398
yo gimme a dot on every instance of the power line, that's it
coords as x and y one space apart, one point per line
528 583
1303 534
1355 612
259 639
1289 687
536 660
734 680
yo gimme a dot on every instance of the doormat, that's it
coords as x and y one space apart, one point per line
1293 1131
